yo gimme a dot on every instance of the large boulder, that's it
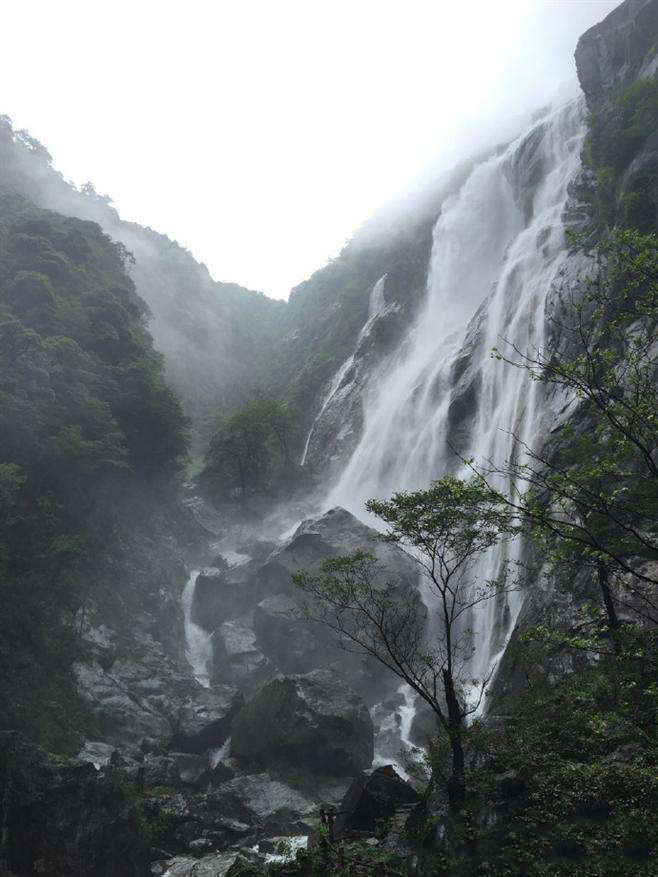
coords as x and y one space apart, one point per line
314 722
372 799
204 722
219 595
335 533
294 645
231 864
264 803
176 769
237 657
65 818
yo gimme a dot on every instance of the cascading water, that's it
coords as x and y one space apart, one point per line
375 309
498 247
199 646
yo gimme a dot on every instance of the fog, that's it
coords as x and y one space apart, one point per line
259 134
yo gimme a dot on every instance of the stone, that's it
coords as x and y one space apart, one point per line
205 720
618 50
200 845
97 753
229 864
65 817
314 722
294 645
160 771
237 657
259 800
219 596
335 533
374 798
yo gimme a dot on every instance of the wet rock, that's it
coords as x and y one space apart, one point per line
295 646
160 771
374 798
230 864
97 753
64 818
201 845
205 720
314 722
618 50
127 703
335 533
258 800
237 657
219 595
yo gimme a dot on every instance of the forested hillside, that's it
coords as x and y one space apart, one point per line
217 338
448 667
88 432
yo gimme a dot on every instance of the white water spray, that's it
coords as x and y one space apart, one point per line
199 647
497 249
376 308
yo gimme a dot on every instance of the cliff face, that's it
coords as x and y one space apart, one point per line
617 64
618 51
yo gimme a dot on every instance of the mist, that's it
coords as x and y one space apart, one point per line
261 135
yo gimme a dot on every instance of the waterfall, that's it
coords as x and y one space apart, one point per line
376 307
199 647
498 247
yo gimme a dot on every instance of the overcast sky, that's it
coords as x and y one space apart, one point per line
261 133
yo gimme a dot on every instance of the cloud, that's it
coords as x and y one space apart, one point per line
261 134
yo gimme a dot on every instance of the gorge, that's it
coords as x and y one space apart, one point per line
171 708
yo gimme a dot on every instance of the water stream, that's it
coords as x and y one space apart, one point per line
498 246
199 646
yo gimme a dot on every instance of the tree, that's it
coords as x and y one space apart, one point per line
445 530
591 494
250 452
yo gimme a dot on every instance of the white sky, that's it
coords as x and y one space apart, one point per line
261 133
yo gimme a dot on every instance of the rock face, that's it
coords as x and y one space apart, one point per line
616 52
610 58
205 721
65 819
269 636
311 721
372 798
232 864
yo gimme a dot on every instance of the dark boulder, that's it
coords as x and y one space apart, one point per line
205 723
237 657
294 645
65 818
314 722
374 798
230 864
335 533
219 595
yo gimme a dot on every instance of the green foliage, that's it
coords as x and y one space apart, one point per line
591 497
571 781
444 530
459 518
250 454
617 134
343 859
84 416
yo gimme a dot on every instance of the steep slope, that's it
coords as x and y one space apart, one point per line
217 338
91 444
